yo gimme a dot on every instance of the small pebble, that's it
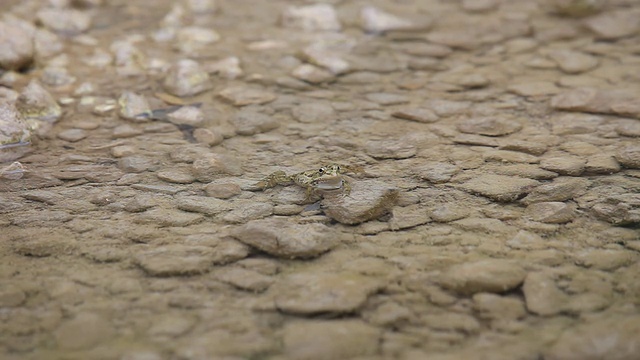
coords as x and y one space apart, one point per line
187 78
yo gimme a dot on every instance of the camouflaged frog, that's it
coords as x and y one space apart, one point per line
328 177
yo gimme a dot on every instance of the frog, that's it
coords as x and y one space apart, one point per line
326 178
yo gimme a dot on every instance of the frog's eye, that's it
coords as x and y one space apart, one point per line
322 170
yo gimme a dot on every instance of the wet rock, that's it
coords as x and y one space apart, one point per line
175 260
368 200
84 331
317 17
611 336
223 190
560 189
246 211
390 149
629 156
65 21
330 339
201 204
313 112
551 212
211 166
249 122
243 96
436 172
244 279
278 237
489 126
491 276
323 293
574 62
36 103
564 165
169 218
16 45
186 78
417 114
126 130
614 24
387 99
192 39
72 135
377 21
312 74
133 107
499 187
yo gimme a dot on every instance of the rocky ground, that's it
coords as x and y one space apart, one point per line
496 215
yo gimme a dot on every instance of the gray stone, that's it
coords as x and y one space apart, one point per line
323 293
498 187
368 200
279 237
211 166
542 295
133 107
36 103
386 99
330 339
168 217
491 276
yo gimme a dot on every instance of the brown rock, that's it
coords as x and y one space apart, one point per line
492 276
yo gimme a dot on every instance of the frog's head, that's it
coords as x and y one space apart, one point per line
328 177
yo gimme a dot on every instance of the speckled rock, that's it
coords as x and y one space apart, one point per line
610 336
250 122
175 260
551 212
323 293
16 45
330 339
186 78
368 200
191 39
498 187
491 276
278 237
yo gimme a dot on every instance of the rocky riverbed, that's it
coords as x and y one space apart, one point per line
496 214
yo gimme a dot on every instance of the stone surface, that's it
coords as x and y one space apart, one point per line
243 96
417 114
84 331
560 189
330 339
175 260
249 122
16 46
492 276
551 212
323 293
187 78
629 156
390 149
573 62
368 200
280 238
244 279
498 187
489 126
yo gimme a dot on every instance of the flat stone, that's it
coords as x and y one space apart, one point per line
499 187
135 164
312 74
330 339
564 165
313 112
534 88
491 276
386 99
560 189
615 24
201 204
84 331
176 176
475 140
436 172
223 190
605 259
244 279
489 126
529 147
244 95
496 307
588 99
247 211
169 217
629 128
323 293
602 164
574 62
249 122
551 212
417 114
505 156
629 156
368 200
452 322
280 238
390 149
526 240
175 260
